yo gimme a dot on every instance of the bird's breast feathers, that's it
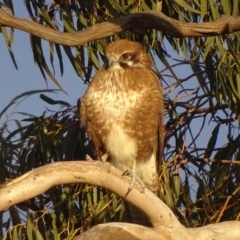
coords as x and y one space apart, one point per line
113 97
115 104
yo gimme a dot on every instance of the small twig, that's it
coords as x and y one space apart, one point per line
208 160
226 204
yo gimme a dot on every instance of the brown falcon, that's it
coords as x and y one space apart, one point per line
122 111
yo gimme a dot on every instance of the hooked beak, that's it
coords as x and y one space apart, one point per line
112 60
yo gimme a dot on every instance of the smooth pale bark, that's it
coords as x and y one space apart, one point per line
37 181
165 224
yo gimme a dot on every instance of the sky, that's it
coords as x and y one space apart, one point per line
28 77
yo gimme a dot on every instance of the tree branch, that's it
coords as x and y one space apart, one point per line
136 22
119 231
165 224
96 173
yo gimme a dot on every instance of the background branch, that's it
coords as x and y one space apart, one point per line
137 22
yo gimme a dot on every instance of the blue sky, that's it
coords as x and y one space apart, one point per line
28 77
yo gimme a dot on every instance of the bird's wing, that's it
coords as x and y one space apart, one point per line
134 214
98 150
161 134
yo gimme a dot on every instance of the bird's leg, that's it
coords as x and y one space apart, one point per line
88 158
132 173
104 157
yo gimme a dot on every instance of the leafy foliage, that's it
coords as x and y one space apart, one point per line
63 210
200 175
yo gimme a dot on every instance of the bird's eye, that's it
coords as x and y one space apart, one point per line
125 56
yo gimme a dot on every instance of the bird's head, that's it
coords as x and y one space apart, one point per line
124 54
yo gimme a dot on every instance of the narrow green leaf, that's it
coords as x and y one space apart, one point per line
80 58
212 142
9 5
220 47
233 88
117 6
37 53
144 6
201 191
30 227
95 60
185 5
209 43
226 6
25 94
29 8
73 61
47 99
238 82
68 25
90 202
41 62
111 8
235 8
213 10
203 7
46 17
39 235
2 165
234 54
53 102
82 22
8 44
54 226
59 54
15 233
14 213
52 56
210 71
176 184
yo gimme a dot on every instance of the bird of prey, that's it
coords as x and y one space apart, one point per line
122 111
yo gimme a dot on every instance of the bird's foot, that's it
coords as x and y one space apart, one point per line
134 177
104 157
88 158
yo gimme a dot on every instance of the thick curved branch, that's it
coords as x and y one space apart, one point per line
220 231
137 22
96 173
166 225
120 231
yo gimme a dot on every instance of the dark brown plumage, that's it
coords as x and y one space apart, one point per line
122 111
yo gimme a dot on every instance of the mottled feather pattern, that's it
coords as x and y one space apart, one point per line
122 110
